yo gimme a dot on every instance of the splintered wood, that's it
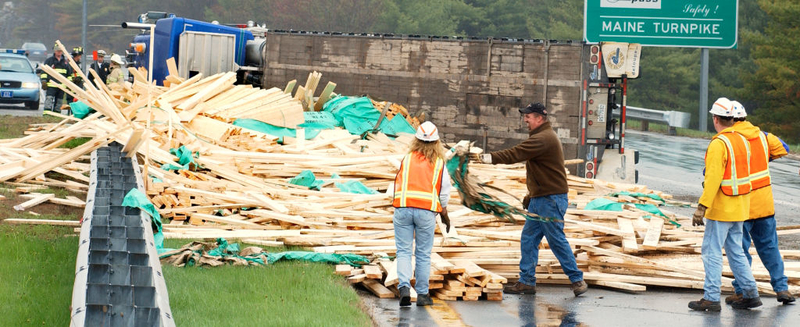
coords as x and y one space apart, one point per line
238 187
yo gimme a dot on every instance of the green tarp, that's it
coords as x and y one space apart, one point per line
80 109
232 250
311 132
611 205
475 197
137 199
185 159
355 114
358 115
306 178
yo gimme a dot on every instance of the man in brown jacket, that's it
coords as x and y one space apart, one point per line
547 197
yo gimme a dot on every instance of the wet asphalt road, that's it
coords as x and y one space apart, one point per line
667 163
555 306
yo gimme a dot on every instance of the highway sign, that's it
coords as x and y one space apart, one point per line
673 23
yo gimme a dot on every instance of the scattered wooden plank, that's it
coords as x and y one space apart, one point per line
40 198
20 221
653 235
376 288
373 272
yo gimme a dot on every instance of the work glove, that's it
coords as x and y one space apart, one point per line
445 219
526 201
481 157
44 86
697 217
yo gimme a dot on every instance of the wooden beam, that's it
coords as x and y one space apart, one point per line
19 221
40 198
653 234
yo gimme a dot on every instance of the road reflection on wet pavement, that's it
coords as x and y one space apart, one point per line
674 164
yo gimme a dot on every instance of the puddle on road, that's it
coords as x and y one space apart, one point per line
533 311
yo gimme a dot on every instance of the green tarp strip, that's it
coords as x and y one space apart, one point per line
137 199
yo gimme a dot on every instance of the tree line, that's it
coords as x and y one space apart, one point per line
762 72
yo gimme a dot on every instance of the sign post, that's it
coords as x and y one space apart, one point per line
665 23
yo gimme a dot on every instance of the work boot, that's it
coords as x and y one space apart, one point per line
705 305
424 300
520 288
733 298
405 296
785 297
747 303
579 287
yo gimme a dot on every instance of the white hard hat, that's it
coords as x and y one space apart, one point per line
427 132
722 107
738 110
101 53
117 59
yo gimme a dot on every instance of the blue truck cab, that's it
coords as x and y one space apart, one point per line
203 47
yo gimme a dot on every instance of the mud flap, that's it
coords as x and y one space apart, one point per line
618 167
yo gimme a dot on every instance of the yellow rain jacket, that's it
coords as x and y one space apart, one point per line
721 207
761 201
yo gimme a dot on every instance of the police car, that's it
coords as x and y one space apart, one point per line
19 82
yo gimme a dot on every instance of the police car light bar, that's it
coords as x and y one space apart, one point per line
14 51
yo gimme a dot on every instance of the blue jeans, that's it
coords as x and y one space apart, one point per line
549 206
729 234
411 223
765 237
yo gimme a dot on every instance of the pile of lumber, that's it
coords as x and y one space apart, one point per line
449 280
239 189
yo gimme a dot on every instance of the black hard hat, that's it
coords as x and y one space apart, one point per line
77 51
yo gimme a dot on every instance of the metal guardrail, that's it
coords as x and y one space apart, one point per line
671 118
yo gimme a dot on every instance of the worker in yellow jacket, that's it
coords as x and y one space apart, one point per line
761 226
725 204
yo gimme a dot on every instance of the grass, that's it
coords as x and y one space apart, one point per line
283 294
76 142
37 269
13 127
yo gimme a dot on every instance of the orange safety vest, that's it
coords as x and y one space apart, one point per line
736 179
420 189
759 162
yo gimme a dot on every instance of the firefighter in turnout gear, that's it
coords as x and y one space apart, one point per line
54 94
77 54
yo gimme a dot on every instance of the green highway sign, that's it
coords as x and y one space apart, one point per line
666 23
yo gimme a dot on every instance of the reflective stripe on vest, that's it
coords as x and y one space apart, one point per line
736 179
759 162
420 189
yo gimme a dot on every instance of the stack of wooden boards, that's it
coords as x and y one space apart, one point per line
449 280
239 189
